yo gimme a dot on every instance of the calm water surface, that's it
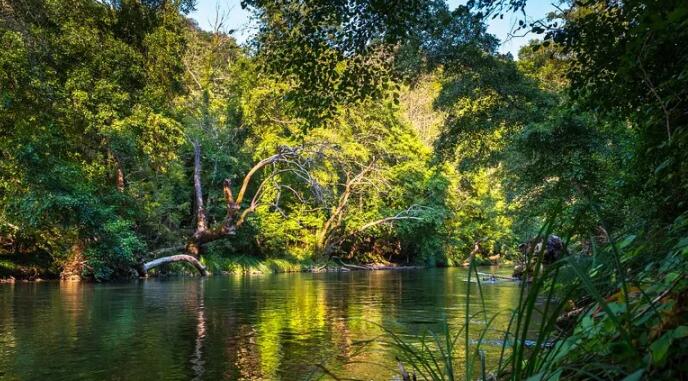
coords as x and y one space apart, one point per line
267 327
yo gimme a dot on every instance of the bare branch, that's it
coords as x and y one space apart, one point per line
386 220
403 215
337 215
285 152
232 206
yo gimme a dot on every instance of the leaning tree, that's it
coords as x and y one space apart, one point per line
236 211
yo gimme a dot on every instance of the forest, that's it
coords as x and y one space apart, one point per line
353 134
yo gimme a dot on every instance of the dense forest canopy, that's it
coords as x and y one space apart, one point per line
130 131
126 128
353 131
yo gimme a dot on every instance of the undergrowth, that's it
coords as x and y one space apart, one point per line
617 313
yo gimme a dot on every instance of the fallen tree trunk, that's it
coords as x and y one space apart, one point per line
203 232
143 270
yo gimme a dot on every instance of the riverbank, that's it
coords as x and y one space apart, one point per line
252 266
17 268
216 266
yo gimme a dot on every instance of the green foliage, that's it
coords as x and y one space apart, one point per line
445 37
639 76
571 160
243 264
116 249
101 101
330 51
84 98
419 143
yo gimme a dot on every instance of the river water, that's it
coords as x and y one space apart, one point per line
260 327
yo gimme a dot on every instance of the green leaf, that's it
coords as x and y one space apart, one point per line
660 347
663 165
635 376
680 332
626 241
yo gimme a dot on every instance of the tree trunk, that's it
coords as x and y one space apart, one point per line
201 219
119 177
203 233
143 270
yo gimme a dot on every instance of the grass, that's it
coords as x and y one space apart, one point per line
246 264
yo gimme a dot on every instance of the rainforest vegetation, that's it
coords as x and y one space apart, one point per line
361 132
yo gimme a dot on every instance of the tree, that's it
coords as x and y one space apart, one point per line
84 103
235 216
625 65
334 52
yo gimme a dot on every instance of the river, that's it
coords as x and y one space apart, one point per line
258 327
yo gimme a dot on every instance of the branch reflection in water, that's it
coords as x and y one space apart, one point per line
197 363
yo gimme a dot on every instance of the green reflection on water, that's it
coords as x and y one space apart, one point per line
254 327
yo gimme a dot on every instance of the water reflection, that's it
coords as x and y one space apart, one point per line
287 326
197 363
